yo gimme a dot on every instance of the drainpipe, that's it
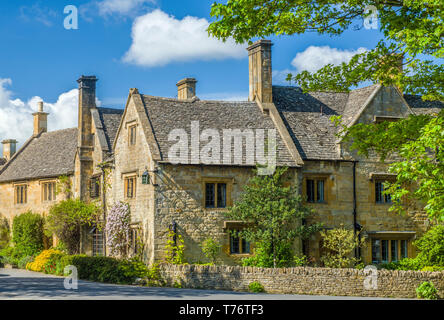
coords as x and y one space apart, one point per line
356 226
103 193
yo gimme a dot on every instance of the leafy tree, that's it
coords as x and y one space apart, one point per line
211 249
273 213
66 218
418 145
410 28
431 247
340 243
27 234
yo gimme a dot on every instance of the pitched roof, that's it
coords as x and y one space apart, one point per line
2 162
167 114
420 106
307 117
50 154
110 119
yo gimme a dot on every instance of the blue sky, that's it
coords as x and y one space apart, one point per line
41 60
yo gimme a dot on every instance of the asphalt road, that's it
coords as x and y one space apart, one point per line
22 284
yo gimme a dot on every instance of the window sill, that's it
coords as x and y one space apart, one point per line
240 255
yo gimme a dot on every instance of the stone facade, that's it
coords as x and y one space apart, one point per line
117 147
308 281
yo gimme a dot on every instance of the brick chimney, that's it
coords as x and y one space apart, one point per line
40 120
9 148
260 71
85 143
186 88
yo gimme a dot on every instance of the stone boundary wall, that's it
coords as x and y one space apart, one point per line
302 280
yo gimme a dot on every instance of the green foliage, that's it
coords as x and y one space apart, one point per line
427 291
263 256
211 249
432 269
273 213
175 250
27 233
66 218
341 244
418 144
4 232
64 186
24 261
256 287
300 261
431 247
410 28
10 255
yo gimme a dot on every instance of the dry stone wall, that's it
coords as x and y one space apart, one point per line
303 280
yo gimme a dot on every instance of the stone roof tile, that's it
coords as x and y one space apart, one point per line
50 154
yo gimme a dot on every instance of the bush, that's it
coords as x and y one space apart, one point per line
431 247
66 218
300 261
41 261
263 256
27 234
24 261
432 268
211 249
4 232
10 255
427 291
256 287
340 243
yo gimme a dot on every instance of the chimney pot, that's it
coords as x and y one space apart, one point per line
186 89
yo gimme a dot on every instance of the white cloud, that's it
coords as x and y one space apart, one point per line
314 58
122 7
159 39
16 121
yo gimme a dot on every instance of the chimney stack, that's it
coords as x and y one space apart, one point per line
9 148
260 71
85 143
186 89
40 120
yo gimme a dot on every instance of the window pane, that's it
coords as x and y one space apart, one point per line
320 191
209 195
221 195
394 250
310 190
378 192
245 246
384 251
97 243
234 244
404 251
376 251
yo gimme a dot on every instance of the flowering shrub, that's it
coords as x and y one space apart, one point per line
117 228
41 260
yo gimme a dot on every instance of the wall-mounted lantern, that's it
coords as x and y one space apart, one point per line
146 178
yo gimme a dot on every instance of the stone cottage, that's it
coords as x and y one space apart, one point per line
180 162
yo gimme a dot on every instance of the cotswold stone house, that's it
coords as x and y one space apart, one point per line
180 163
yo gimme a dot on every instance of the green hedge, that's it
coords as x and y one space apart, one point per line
101 269
27 234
